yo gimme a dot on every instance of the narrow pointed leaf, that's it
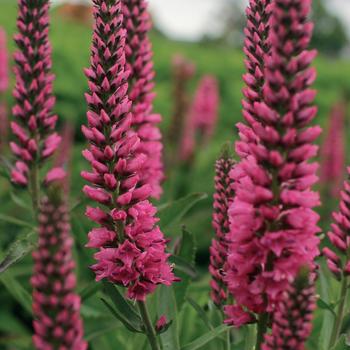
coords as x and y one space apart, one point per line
122 318
122 305
172 213
18 249
205 339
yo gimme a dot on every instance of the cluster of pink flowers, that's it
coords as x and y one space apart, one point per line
35 123
333 150
223 197
55 305
292 323
340 236
131 246
139 54
273 224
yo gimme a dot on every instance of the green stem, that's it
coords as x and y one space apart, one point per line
340 314
228 339
262 328
35 189
150 331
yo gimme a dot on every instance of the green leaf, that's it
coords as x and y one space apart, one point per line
346 324
325 306
19 201
122 318
172 213
205 339
184 259
17 291
18 249
15 221
123 306
341 344
101 331
166 305
328 319
90 290
183 266
201 313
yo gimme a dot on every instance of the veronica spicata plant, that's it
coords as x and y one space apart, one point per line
273 224
131 247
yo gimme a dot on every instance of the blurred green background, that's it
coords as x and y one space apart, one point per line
217 56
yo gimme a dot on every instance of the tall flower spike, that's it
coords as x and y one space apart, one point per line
57 322
292 322
141 83
201 118
35 124
4 82
4 73
273 224
205 107
338 259
223 197
131 246
333 151
183 71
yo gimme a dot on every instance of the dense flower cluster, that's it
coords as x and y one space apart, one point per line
56 307
340 236
273 225
131 246
35 123
139 62
333 150
292 323
4 74
223 197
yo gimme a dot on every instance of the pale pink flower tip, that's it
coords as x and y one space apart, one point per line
55 175
131 247
55 305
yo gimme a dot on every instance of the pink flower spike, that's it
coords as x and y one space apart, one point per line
55 305
139 63
131 248
338 260
35 122
292 324
223 197
333 151
4 69
273 225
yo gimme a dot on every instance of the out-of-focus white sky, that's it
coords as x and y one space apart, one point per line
190 19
